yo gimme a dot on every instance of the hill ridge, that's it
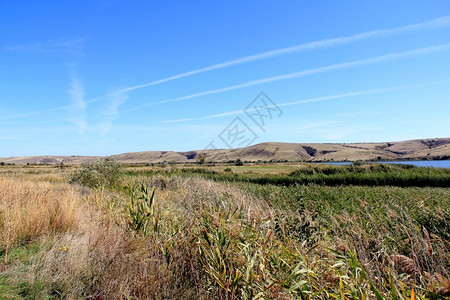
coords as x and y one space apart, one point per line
433 148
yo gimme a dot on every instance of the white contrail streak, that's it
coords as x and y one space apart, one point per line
346 65
429 25
317 99
71 106
24 115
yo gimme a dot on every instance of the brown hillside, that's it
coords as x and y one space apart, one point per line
412 149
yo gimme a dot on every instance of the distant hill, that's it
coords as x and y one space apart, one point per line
48 159
405 150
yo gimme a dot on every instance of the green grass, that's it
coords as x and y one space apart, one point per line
12 290
364 175
13 282
383 209
372 229
259 168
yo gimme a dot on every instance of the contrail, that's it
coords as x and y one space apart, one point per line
28 114
36 122
71 106
429 25
93 100
317 99
346 65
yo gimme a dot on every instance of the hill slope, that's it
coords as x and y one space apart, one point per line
412 149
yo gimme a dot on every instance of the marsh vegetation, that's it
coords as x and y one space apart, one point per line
224 232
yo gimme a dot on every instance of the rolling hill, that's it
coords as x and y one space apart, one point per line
438 148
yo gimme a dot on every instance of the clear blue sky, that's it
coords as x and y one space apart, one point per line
83 77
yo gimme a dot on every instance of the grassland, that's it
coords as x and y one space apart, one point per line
183 232
287 174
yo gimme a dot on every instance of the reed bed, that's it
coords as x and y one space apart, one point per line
169 236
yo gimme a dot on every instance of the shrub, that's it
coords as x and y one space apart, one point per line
140 211
99 173
201 159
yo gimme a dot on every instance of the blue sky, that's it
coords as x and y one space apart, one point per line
107 77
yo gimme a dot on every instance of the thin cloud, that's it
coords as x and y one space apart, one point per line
35 122
59 108
429 25
33 113
71 46
24 115
111 110
346 65
74 48
76 45
316 99
89 101
76 93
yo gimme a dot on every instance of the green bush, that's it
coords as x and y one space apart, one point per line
140 211
96 174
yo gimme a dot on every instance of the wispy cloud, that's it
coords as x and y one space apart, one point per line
53 109
74 48
316 99
335 67
34 122
72 106
429 25
22 115
70 46
79 106
110 112
77 45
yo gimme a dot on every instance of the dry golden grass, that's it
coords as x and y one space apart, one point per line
207 240
30 209
86 251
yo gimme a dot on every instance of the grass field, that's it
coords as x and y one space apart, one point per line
224 232
288 174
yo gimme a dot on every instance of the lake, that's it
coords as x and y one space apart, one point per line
417 163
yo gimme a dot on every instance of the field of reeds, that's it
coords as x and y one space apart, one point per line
106 232
321 174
